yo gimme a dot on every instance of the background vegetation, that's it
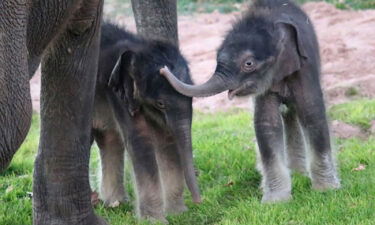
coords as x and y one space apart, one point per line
118 7
225 6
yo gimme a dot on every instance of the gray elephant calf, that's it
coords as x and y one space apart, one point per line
140 111
272 53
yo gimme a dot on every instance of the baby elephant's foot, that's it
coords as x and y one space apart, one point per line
154 220
153 214
175 207
277 196
325 183
113 201
299 168
326 179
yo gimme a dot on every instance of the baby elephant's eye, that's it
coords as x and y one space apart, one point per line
160 104
248 66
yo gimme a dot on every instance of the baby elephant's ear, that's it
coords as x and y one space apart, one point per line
122 83
292 47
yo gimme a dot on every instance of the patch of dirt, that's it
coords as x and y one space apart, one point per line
347 41
343 130
372 128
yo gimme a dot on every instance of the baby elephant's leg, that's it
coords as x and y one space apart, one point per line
276 182
147 180
112 150
172 175
311 112
295 144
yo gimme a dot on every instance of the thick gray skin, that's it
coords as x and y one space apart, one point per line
57 31
273 54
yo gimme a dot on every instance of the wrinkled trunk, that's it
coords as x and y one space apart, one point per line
215 85
156 19
15 100
183 136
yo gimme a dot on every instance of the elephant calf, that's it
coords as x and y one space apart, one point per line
272 53
138 110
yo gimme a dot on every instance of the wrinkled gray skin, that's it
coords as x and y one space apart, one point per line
64 35
140 111
272 54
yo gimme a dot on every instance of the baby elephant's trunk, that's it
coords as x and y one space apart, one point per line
215 85
186 157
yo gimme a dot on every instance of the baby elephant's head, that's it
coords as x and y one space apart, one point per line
256 53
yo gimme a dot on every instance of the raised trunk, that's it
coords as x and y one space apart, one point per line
156 19
15 100
215 85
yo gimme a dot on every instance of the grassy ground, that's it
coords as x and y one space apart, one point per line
224 153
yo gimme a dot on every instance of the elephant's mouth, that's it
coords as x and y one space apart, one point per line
248 88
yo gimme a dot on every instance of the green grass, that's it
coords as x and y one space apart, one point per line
224 153
359 113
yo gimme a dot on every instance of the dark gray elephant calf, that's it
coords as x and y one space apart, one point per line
141 111
65 35
272 53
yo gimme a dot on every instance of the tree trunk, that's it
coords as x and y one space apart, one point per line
156 19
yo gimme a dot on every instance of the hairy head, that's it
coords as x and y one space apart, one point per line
246 55
267 44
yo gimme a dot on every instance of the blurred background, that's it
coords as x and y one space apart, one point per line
345 29
115 7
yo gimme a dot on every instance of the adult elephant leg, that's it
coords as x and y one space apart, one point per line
15 100
276 182
311 112
161 19
41 31
171 173
295 146
61 183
